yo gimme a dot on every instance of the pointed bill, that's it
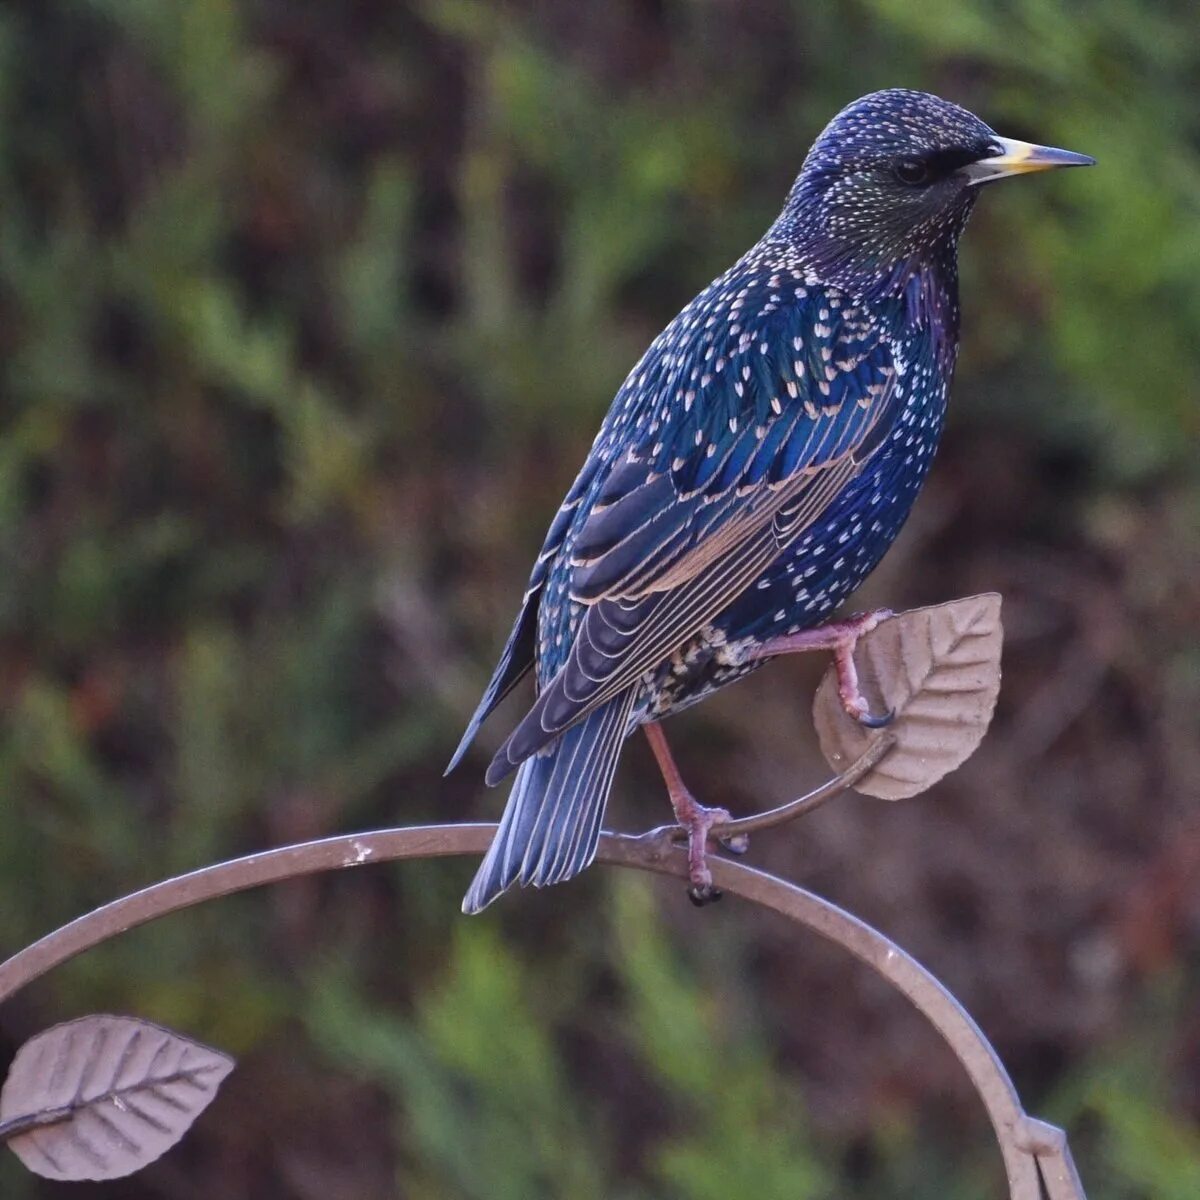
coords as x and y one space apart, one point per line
1022 158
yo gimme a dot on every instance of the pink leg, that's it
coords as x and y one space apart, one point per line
692 816
841 637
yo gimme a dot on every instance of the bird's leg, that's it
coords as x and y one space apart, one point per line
693 817
841 637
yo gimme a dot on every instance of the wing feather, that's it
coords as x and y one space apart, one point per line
705 493
619 640
518 655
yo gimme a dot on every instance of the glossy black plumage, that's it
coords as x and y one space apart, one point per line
754 467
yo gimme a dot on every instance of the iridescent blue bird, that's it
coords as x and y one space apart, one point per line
753 469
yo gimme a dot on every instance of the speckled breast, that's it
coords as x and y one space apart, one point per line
814 575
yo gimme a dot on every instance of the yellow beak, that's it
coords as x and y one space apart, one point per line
1022 158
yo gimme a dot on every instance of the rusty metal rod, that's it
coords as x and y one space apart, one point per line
1018 1136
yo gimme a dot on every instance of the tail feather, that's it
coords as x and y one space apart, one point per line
514 662
551 824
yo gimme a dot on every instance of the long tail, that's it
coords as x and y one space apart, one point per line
551 824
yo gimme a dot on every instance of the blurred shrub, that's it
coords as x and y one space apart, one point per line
489 1111
307 313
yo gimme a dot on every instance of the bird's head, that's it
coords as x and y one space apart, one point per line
889 184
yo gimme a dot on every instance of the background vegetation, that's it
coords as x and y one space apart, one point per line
307 315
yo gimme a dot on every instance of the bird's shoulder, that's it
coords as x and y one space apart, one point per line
766 380
767 371
762 343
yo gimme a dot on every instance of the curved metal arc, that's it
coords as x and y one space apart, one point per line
924 991
929 996
227 878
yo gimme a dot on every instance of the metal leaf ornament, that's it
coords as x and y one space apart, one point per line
938 670
103 1096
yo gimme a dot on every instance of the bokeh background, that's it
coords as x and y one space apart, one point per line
308 312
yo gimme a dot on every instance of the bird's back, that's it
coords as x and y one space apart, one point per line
763 359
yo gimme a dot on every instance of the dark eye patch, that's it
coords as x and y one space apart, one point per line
915 170
946 162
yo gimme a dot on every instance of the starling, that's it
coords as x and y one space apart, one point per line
753 469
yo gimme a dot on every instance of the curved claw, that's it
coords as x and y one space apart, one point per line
871 721
702 894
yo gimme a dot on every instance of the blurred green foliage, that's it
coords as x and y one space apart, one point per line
307 314
488 1111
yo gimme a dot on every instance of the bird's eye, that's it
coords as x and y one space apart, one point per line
912 171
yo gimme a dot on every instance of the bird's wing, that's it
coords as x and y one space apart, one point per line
517 657
682 527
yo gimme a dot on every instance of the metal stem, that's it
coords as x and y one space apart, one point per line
862 766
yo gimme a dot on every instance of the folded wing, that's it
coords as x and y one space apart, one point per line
683 526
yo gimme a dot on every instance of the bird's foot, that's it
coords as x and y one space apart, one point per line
848 633
840 637
693 819
697 821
